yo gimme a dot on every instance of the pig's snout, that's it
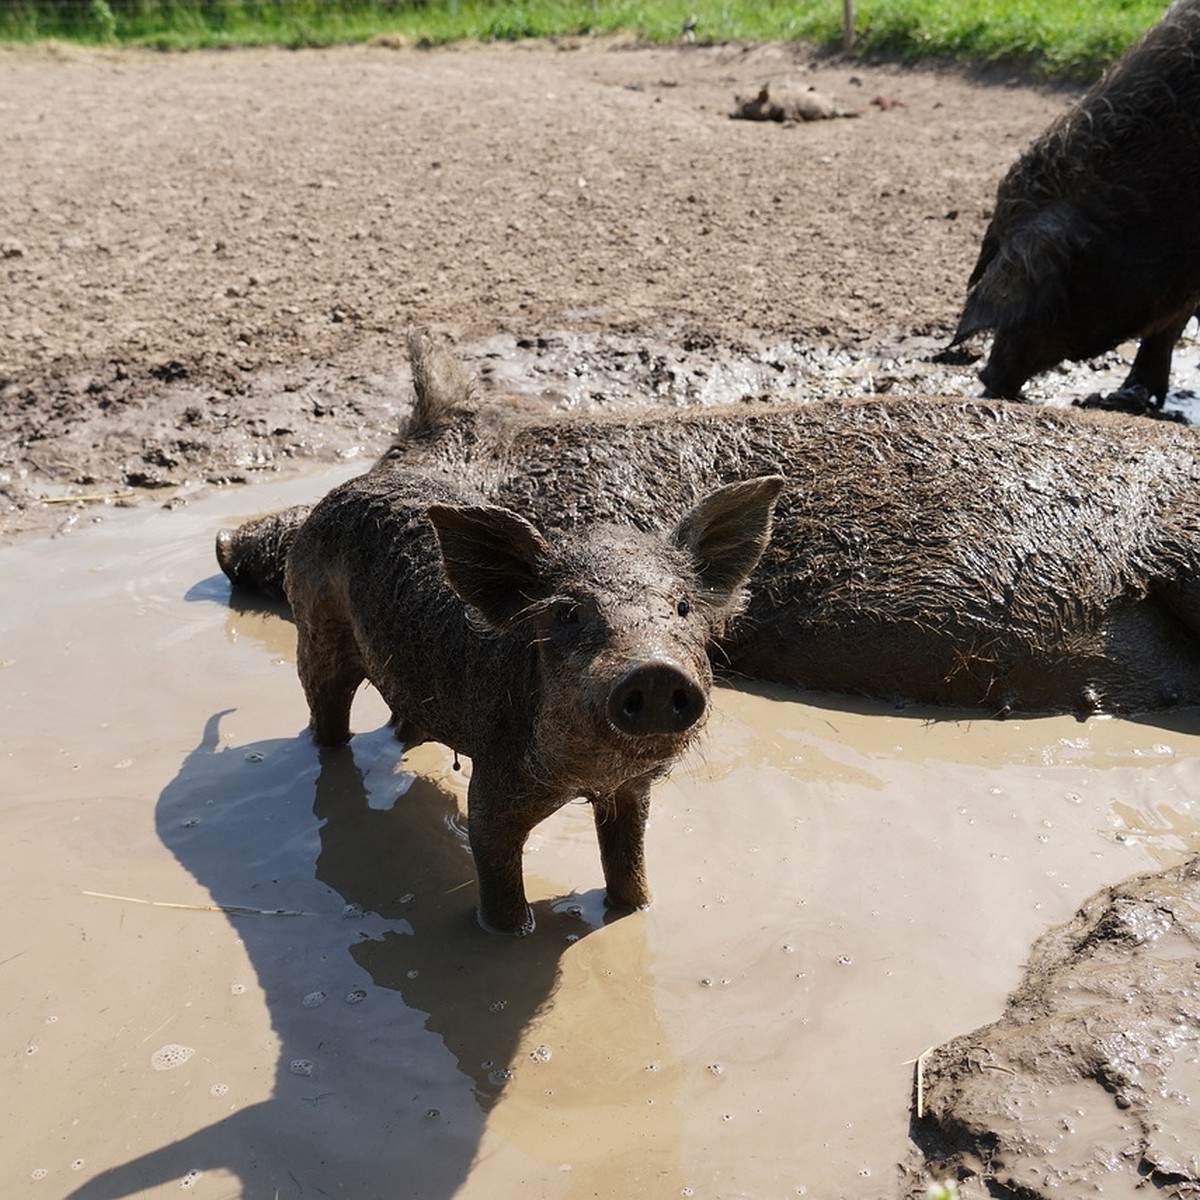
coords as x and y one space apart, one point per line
656 697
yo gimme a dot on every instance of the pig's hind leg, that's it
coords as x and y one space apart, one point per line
331 669
1145 387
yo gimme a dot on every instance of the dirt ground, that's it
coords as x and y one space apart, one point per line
208 261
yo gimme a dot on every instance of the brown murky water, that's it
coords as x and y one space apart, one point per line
838 888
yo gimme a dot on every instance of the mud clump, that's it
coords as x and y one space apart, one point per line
1086 1085
955 553
1093 240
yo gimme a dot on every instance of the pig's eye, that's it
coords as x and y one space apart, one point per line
683 607
567 614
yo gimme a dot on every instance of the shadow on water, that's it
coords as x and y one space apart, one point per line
397 1018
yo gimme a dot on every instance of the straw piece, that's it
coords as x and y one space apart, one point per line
92 498
236 910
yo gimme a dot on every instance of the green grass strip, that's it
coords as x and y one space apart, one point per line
1076 38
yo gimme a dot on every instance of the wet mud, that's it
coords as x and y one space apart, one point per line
1086 1085
240 967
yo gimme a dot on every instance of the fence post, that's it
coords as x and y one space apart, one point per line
848 25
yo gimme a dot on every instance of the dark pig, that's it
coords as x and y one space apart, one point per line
565 668
961 553
1094 239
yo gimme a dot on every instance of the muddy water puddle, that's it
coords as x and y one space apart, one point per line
236 967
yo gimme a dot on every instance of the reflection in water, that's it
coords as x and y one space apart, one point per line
411 864
361 1090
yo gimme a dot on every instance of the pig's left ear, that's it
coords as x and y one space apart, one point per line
727 532
493 558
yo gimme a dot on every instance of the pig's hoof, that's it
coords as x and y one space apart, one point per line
1134 399
522 930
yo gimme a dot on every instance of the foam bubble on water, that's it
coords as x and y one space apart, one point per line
432 1114
218 1089
716 1069
190 1180
170 1056
313 999
356 997
500 1076
32 1048
78 1165
497 1006
39 1173
540 1054
237 989
255 756
52 1020
301 1066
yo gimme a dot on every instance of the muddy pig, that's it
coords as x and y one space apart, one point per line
1094 239
565 668
790 104
960 553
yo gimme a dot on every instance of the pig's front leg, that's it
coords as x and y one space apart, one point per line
621 830
499 820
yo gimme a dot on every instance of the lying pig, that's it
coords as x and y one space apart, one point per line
564 668
1094 238
957 553
788 104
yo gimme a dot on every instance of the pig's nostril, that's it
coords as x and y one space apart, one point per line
657 697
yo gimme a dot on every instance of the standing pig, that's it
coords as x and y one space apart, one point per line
1094 239
564 669
946 552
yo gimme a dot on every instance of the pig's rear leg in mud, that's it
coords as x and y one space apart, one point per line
1149 377
331 671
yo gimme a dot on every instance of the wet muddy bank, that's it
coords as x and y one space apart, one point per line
190 438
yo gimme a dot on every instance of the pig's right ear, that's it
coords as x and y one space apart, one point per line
728 531
493 558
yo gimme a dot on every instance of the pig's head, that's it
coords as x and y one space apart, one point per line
618 620
1021 288
757 107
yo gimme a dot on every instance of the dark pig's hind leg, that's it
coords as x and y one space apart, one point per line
1149 377
621 830
1151 368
